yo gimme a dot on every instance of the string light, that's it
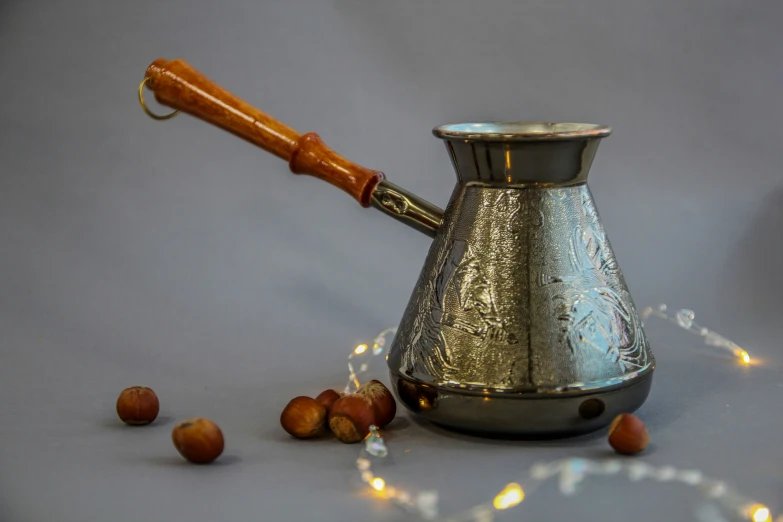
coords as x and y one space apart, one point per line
760 513
684 318
569 473
509 497
363 355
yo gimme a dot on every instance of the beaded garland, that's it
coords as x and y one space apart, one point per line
723 503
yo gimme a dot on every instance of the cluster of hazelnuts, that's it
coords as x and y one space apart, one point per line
198 440
348 415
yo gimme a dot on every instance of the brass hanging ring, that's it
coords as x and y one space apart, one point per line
144 105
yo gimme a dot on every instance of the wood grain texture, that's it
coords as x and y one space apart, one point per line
311 156
178 85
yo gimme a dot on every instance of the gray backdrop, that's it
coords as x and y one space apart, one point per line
176 256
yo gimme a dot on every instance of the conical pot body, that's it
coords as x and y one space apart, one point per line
521 321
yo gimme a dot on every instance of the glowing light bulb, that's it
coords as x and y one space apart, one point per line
360 349
761 514
509 497
378 483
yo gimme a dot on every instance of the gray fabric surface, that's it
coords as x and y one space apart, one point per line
176 256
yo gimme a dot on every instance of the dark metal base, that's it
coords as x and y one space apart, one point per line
522 415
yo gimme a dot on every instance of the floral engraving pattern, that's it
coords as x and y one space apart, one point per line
593 315
520 288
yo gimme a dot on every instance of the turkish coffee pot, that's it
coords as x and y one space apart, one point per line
520 323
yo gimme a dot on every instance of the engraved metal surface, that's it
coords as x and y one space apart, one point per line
521 292
521 322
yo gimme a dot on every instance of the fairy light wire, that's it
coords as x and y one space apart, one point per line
685 319
568 472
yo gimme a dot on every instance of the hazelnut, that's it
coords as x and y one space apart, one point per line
198 440
382 401
351 417
137 405
628 435
327 398
303 418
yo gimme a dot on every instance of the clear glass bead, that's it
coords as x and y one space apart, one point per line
690 477
427 504
484 514
637 471
375 445
666 474
685 318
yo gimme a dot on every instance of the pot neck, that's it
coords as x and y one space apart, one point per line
522 153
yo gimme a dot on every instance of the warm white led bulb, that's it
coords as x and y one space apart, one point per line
509 497
761 514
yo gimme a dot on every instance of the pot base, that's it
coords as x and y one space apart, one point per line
521 415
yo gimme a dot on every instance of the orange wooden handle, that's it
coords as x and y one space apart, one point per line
178 85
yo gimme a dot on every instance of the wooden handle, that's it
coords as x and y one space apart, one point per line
178 85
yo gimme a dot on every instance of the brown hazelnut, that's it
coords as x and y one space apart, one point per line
628 435
351 417
327 398
198 440
382 400
303 418
137 405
